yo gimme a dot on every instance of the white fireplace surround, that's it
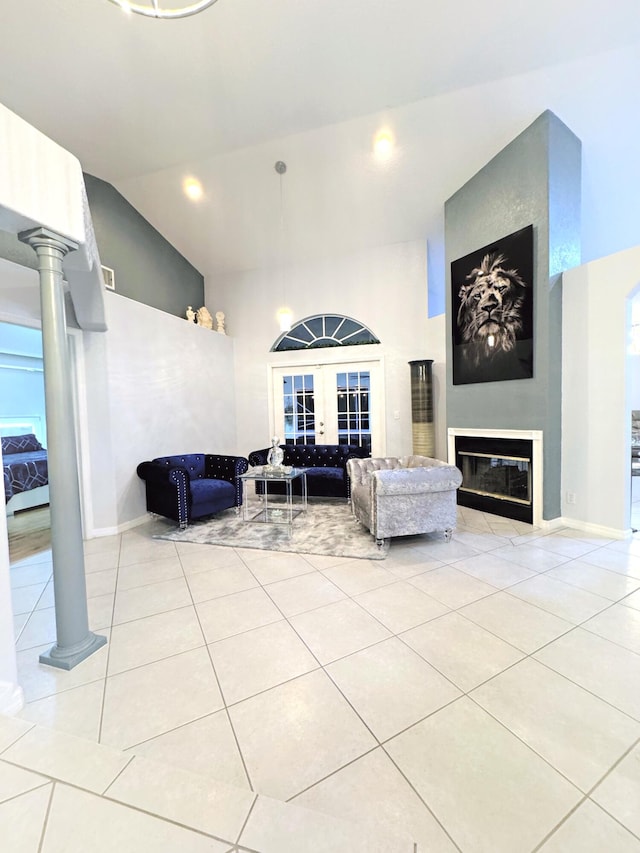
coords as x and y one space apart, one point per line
532 435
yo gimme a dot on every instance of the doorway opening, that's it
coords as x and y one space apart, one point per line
22 414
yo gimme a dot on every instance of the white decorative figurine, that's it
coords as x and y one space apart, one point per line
204 318
191 314
275 454
220 322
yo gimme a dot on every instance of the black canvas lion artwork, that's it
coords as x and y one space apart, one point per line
492 311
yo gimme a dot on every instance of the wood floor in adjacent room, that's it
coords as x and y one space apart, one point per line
29 533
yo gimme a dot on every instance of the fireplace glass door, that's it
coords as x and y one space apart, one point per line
499 477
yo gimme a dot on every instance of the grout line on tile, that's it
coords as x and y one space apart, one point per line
47 813
524 651
560 823
46 780
119 773
582 687
157 816
613 767
398 579
246 820
19 738
614 818
106 668
526 745
215 675
133 808
532 654
607 639
448 678
62 690
422 799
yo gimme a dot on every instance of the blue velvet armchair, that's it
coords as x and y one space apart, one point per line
193 485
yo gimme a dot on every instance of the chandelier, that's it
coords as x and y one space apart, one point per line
160 9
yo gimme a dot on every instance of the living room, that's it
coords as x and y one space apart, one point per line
333 274
365 238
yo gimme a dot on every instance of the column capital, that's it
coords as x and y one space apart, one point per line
41 236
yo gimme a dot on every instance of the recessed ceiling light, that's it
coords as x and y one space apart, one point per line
192 189
285 318
383 143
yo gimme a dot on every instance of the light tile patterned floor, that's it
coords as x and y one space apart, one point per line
477 695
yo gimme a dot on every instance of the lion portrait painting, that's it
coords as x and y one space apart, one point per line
492 311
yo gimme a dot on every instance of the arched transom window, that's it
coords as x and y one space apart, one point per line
325 330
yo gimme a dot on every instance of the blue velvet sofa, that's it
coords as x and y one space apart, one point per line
326 467
192 485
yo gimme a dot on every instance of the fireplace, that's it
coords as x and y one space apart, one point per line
501 471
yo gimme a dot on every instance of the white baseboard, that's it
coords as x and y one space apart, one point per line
595 529
551 524
97 532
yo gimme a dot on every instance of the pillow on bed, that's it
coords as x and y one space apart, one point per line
20 444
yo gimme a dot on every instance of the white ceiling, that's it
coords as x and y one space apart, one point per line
131 96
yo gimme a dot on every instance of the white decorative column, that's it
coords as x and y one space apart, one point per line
74 640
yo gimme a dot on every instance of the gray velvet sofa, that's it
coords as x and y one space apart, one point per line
404 496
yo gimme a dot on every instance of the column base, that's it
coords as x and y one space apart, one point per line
70 656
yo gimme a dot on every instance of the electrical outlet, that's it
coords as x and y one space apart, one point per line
571 497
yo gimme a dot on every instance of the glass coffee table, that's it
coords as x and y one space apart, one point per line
273 509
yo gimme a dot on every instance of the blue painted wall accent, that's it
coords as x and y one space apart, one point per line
436 302
147 267
535 180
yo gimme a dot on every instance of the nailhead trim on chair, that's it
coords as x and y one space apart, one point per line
181 483
211 462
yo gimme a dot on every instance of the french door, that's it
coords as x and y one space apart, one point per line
328 404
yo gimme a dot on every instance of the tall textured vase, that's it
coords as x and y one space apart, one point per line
422 422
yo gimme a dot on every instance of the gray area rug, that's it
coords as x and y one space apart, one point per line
326 528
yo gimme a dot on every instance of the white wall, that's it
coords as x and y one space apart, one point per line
154 385
633 367
384 288
633 363
596 399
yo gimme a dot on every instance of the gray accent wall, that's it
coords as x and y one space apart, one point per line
11 249
147 267
535 180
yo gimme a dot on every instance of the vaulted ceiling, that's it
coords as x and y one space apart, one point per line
132 96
